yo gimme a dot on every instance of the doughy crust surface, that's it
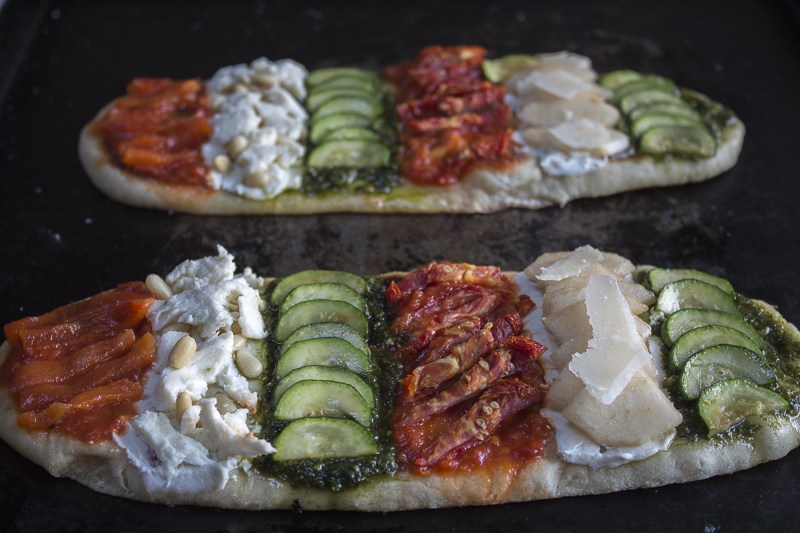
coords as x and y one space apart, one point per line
483 191
105 468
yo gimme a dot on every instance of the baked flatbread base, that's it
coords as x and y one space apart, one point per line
483 191
105 468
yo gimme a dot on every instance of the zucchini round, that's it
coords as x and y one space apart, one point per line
721 363
326 329
323 352
289 283
323 291
323 438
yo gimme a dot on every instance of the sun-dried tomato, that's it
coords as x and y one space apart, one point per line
454 119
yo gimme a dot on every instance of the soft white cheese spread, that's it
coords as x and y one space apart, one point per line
213 305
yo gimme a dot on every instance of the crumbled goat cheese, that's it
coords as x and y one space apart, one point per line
201 451
260 105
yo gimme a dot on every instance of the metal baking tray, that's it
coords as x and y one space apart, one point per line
62 240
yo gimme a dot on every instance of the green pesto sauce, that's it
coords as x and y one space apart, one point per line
366 180
343 473
782 353
715 116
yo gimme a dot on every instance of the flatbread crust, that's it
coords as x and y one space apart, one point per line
105 468
483 191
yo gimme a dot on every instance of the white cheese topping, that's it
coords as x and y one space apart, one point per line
592 367
575 446
222 312
257 148
563 118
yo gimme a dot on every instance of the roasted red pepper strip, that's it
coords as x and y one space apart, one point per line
64 369
138 359
118 391
158 129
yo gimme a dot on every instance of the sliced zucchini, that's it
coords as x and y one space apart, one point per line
349 81
320 76
323 291
500 69
316 98
658 278
618 78
323 330
647 122
330 399
324 373
650 83
687 140
369 107
353 154
324 126
650 97
315 311
323 352
704 337
685 320
720 363
289 283
683 109
351 133
694 294
725 404
323 438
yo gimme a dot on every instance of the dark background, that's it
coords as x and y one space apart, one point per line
61 240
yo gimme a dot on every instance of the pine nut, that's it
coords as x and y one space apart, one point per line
237 145
240 88
216 101
264 79
177 326
238 342
248 364
182 403
182 352
224 403
158 286
256 179
222 163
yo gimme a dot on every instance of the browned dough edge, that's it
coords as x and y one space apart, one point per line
105 468
484 191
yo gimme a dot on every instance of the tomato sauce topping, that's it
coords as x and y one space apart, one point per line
472 386
157 130
78 370
454 119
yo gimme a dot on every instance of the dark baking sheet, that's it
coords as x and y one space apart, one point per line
61 240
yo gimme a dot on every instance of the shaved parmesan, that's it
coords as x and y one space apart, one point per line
640 414
609 313
608 365
581 133
563 389
558 83
551 114
571 265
